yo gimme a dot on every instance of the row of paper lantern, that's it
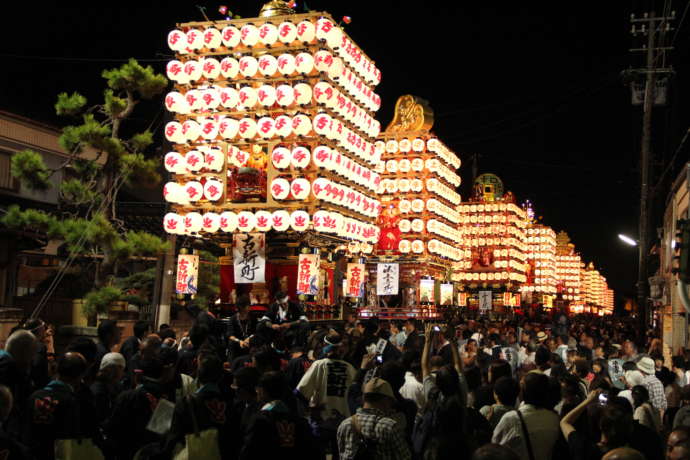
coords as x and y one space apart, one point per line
512 253
541 252
393 186
483 242
266 96
546 231
211 159
500 276
493 229
497 218
494 207
263 221
540 286
434 247
354 247
406 165
439 188
432 226
212 190
418 205
327 191
266 35
541 239
433 145
326 158
438 147
268 66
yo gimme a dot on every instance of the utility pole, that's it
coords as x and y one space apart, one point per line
655 28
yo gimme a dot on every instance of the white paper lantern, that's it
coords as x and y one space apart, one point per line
228 128
174 163
229 97
266 95
287 32
263 221
417 225
392 166
301 125
323 92
286 64
192 70
176 102
323 60
210 68
228 221
213 158
416 185
195 39
246 221
173 223
300 157
209 129
306 31
336 70
391 186
192 222
172 192
320 188
304 63
404 225
320 221
194 100
321 124
404 165
229 68
268 65
248 66
285 95
404 246
247 98
212 38
177 40
280 220
404 206
280 188
280 157
283 126
210 98
405 145
213 190
175 71
403 185
300 188
250 35
417 164
194 160
173 132
268 34
191 130
231 36
418 145
392 146
211 222
321 156
265 127
417 246
303 93
194 190
247 128
299 220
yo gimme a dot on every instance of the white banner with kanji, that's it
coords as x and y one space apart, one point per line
355 280
387 276
187 276
249 257
308 274
446 294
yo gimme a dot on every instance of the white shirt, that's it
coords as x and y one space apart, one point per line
542 426
413 390
327 382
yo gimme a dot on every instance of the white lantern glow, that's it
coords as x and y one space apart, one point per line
299 220
229 68
246 221
320 188
213 190
192 70
304 63
306 31
174 71
263 221
286 64
195 39
231 36
173 223
280 157
287 32
173 132
283 126
300 188
192 222
280 220
301 125
211 222
300 157
210 68
228 128
177 40
280 188
268 65
404 246
172 192
248 98
249 35
321 156
194 100
285 95
266 127
212 38
266 95
247 128
228 221
303 94
209 129
268 34
176 102
194 190
248 66
321 124
191 130
194 160
174 163
213 158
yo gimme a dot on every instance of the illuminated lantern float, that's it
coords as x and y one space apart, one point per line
569 266
419 220
540 287
493 242
274 133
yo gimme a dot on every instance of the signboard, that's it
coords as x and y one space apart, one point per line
249 257
426 291
355 280
447 294
187 274
485 301
616 372
387 276
308 274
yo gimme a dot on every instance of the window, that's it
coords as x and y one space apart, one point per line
7 182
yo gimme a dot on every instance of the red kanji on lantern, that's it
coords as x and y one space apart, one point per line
170 130
171 224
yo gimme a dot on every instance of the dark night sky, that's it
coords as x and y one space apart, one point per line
531 88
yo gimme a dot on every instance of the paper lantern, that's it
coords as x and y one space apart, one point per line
247 128
193 71
194 160
323 60
303 93
321 156
432 164
320 188
320 221
280 157
304 63
231 36
229 68
287 32
194 100
268 65
194 190
213 190
176 102
405 145
209 129
177 40
418 145
416 185
336 70
417 164
263 221
246 221
266 95
404 225
248 66
174 71
404 165
212 38
299 220
283 126
229 97
300 157
285 95
228 128
391 186
300 188
321 124
306 31
173 132
280 220
392 166
417 246
173 223
228 221
210 98
210 68
191 130
192 222
286 64
268 34
247 97
392 146
280 188
172 192
249 35
323 92
211 222
174 163
404 246
266 127
301 125
195 39
213 158
404 206
417 225
403 185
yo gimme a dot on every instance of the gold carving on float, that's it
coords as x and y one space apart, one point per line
411 114
275 8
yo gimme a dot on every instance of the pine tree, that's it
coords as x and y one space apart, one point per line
100 162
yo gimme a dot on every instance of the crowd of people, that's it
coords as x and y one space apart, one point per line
275 386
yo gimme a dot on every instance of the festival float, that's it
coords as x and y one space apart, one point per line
273 150
568 269
539 287
493 243
410 267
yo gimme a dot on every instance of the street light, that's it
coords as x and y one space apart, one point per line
627 240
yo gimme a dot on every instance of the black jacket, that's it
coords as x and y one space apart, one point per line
20 384
294 313
129 348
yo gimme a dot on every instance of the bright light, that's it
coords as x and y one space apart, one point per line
627 240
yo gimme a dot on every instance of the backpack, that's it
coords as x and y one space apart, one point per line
425 426
366 447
